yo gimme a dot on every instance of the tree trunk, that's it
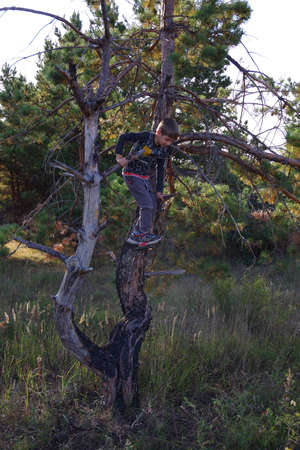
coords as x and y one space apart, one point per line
78 264
130 332
117 361
167 35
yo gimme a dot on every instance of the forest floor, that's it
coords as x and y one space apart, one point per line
219 368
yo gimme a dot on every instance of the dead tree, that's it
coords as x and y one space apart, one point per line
117 361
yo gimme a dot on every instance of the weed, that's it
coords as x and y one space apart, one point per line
218 368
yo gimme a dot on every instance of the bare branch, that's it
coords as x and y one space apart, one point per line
43 52
41 206
238 143
71 172
254 78
42 248
165 272
105 19
54 16
71 77
114 81
204 104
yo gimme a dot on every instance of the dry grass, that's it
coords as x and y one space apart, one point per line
218 370
21 252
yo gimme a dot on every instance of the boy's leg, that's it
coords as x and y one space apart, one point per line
141 191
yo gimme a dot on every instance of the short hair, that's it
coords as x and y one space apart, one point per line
169 127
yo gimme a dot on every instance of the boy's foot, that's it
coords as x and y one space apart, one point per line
143 239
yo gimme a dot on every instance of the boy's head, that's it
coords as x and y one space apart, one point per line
167 132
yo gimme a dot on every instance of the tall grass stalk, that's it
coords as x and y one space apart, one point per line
219 367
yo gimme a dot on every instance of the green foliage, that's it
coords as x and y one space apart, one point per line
223 21
118 207
250 301
212 54
199 227
21 156
6 232
199 224
45 224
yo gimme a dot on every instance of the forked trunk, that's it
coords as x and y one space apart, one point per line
117 361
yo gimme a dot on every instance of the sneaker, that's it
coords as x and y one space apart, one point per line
143 239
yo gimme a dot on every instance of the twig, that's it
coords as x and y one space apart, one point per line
253 78
210 182
71 172
42 248
235 142
54 16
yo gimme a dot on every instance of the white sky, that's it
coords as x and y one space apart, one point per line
272 33
273 37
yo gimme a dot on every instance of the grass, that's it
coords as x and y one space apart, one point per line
25 253
219 368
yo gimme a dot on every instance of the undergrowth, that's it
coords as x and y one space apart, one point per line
219 368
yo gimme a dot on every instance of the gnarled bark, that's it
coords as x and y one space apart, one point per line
116 361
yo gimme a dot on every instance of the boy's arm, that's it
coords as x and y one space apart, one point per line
130 137
123 139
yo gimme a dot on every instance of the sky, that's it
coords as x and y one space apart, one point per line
272 34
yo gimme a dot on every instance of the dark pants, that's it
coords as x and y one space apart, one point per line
146 200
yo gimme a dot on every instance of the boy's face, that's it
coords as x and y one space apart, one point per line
162 140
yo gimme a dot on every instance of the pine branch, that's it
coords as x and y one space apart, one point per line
208 180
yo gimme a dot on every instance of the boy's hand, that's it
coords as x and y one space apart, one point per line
121 160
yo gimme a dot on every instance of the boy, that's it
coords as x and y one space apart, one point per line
137 172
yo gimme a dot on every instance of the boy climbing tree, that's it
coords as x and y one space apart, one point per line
149 153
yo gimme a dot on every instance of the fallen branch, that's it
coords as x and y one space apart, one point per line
165 272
